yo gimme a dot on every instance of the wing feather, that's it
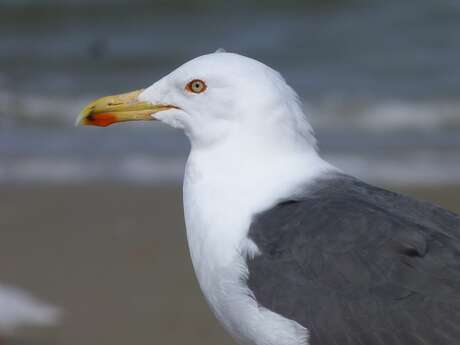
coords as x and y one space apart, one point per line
359 264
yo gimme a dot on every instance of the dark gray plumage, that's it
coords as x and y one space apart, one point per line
359 265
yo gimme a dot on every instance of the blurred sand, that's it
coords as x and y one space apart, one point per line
115 259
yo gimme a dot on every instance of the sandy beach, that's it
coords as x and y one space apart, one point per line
115 259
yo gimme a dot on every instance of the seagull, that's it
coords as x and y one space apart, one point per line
20 309
287 248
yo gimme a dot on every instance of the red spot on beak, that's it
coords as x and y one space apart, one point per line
102 119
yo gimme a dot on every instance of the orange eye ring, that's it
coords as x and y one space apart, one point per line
196 86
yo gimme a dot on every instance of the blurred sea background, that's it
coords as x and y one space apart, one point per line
91 218
380 80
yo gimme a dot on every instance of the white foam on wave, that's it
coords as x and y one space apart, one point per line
27 109
135 169
386 115
410 168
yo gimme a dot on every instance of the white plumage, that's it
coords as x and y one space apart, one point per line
19 309
251 145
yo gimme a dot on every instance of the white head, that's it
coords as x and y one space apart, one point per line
214 98
224 94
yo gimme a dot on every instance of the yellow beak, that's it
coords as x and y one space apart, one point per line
119 108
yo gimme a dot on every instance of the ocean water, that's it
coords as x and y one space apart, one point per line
380 82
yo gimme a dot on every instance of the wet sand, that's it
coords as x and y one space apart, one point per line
115 259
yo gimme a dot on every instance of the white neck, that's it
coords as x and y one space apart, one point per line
226 185
224 188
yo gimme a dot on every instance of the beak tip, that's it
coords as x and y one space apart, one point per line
80 120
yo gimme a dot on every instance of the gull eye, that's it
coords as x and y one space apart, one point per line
196 86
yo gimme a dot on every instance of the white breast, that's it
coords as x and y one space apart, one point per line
221 195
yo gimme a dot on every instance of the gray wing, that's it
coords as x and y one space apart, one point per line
356 264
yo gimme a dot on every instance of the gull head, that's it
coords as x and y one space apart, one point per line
214 98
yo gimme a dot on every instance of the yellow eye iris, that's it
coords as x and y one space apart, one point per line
196 86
